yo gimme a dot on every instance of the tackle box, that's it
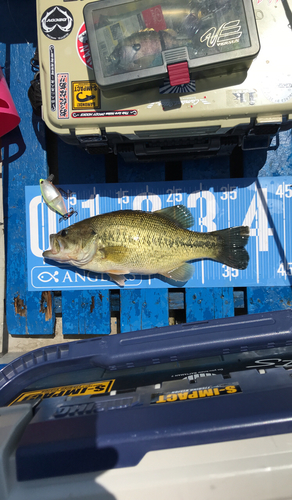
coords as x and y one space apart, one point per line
136 42
155 412
90 103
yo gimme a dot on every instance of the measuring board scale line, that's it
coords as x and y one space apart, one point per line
256 203
84 312
141 309
277 161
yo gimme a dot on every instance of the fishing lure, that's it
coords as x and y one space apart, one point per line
54 199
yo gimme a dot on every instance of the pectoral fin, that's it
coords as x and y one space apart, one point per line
182 273
115 254
118 278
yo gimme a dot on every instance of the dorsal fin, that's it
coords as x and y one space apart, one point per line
178 214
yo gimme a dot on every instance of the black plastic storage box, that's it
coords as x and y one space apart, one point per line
142 41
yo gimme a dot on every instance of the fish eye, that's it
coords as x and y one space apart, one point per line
137 47
64 233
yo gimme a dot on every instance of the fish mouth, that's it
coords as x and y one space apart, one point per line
56 247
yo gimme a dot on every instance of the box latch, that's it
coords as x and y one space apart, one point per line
178 73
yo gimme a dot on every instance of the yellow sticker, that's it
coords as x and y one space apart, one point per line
85 95
191 394
91 389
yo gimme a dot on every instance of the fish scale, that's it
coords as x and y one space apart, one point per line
151 237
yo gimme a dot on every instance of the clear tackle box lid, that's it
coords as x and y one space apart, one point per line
145 40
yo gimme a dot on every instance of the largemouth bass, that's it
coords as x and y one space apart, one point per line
138 50
136 242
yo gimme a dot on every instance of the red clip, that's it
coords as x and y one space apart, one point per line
178 73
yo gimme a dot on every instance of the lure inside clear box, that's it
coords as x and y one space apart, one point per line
132 42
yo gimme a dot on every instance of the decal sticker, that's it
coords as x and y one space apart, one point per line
272 363
104 114
85 95
153 18
91 389
278 91
57 22
241 97
77 410
174 103
228 33
83 46
190 394
52 77
63 95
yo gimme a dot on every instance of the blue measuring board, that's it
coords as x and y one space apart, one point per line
264 204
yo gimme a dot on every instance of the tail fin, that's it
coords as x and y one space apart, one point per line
231 246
